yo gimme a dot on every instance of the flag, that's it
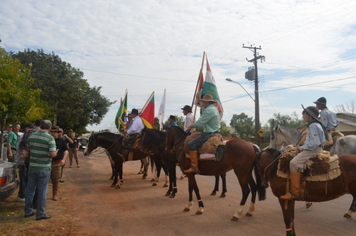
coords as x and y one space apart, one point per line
210 88
162 110
148 112
121 114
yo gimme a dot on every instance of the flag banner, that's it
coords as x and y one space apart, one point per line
162 110
210 88
148 112
121 115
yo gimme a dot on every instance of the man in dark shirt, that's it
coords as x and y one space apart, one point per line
58 161
73 150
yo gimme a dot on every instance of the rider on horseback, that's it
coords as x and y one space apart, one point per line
210 119
327 117
313 145
134 127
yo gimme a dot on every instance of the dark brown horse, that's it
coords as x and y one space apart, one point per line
239 155
267 163
113 145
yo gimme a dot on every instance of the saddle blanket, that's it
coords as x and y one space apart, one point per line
321 167
209 146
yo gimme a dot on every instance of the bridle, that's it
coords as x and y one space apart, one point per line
174 146
269 165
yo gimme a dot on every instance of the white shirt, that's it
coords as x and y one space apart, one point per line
328 119
188 121
135 126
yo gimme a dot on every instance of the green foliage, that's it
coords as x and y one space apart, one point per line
243 125
224 130
285 120
73 103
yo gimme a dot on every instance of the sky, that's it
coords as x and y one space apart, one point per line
144 46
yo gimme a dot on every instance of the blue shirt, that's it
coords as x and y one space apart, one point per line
165 128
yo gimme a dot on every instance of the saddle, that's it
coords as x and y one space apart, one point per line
211 150
321 167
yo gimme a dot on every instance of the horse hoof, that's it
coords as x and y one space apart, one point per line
165 185
234 218
222 195
181 177
113 185
198 212
186 209
213 193
111 178
347 215
154 184
172 196
143 177
248 214
308 204
117 187
153 180
167 194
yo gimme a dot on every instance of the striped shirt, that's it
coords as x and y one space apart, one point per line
41 144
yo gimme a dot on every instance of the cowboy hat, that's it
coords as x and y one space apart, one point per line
321 101
187 108
207 98
55 129
313 111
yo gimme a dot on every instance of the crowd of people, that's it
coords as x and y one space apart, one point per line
40 154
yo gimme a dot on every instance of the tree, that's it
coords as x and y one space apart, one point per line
18 101
285 120
73 102
350 107
224 129
243 125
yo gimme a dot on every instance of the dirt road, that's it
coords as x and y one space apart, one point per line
88 206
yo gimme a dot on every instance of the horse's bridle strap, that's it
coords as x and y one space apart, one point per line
264 172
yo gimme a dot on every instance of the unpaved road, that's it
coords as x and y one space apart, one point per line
88 206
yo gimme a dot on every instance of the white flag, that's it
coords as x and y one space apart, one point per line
162 109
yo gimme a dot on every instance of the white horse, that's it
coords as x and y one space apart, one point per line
282 136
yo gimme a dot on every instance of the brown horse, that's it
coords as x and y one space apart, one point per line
267 163
239 155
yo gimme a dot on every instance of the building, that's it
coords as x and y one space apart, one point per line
347 123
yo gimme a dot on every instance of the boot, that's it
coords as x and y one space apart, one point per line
294 193
55 191
194 163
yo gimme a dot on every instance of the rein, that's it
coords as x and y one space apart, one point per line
173 149
269 165
151 151
112 144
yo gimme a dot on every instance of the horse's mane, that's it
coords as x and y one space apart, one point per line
157 134
275 153
109 135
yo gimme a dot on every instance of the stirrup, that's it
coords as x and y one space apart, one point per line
191 170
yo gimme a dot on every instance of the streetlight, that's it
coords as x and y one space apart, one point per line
230 80
257 112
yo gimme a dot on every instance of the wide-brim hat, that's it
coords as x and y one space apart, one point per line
172 117
321 101
207 98
55 129
313 111
187 108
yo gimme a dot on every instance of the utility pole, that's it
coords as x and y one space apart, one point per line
257 105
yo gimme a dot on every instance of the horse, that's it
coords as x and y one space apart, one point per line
239 155
113 145
282 135
318 191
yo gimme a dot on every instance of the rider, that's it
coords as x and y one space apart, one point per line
134 127
172 122
187 111
327 117
313 145
210 119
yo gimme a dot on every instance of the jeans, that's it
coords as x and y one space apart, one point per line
23 181
37 179
197 142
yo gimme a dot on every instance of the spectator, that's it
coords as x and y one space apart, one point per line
4 140
41 149
58 161
21 162
66 139
73 149
12 140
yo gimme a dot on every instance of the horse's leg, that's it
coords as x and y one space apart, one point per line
120 173
190 191
243 180
141 168
115 176
144 162
216 188
158 173
288 215
166 173
113 172
223 181
351 210
253 188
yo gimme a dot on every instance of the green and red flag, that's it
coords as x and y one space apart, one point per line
121 114
148 112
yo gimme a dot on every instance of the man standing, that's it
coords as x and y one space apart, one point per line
4 140
187 111
210 120
172 122
73 149
41 149
58 161
66 140
12 143
327 117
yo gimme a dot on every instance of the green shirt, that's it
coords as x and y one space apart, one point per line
210 119
12 138
41 144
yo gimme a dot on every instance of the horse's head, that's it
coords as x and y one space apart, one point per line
267 163
175 137
276 139
92 144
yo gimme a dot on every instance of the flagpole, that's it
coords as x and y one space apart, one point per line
118 128
148 100
198 87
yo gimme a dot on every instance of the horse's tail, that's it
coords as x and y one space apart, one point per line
260 189
152 163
